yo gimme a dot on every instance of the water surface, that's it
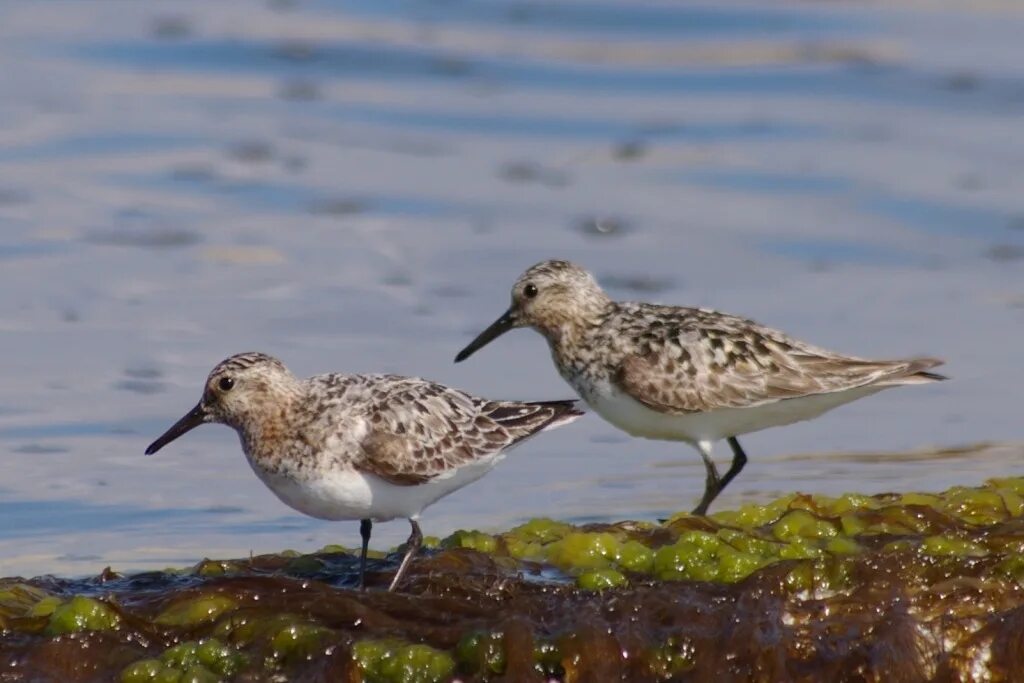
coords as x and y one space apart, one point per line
354 186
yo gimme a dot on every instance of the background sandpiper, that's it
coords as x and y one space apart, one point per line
366 447
686 374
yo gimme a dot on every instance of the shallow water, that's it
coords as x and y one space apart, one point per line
355 186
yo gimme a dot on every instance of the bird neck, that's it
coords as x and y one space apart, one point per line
268 427
569 336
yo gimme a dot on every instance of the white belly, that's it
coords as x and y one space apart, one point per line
637 419
349 494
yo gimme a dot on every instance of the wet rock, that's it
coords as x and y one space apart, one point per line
193 611
893 585
82 614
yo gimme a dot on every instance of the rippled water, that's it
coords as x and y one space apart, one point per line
354 186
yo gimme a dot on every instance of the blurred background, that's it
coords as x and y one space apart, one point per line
354 187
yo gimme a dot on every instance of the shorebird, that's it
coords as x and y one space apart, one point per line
366 447
686 374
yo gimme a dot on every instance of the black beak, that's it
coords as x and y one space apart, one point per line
506 322
192 419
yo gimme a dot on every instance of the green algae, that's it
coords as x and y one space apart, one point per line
731 545
188 662
19 599
481 652
298 641
392 661
82 614
474 540
209 653
194 611
831 577
601 579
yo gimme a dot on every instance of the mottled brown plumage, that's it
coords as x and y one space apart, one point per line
689 360
688 374
367 447
418 429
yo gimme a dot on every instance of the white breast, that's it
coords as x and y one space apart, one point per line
347 494
637 419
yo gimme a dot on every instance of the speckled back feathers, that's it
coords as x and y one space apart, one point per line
676 359
405 430
417 429
687 360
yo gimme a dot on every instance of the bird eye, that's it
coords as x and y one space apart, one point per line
226 383
530 290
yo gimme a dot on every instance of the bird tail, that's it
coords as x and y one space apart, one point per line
562 412
524 419
913 371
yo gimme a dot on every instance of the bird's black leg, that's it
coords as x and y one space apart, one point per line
713 483
739 459
365 526
412 546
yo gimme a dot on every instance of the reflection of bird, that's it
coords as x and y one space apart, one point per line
686 374
366 447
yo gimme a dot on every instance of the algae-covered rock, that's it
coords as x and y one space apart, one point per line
18 599
673 562
949 545
82 614
481 653
580 551
670 659
196 610
153 671
600 579
540 530
142 671
192 661
255 627
298 641
886 586
634 556
392 661
474 540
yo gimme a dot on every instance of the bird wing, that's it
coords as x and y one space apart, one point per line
694 360
419 430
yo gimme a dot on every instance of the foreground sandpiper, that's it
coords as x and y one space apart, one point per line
686 374
366 447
